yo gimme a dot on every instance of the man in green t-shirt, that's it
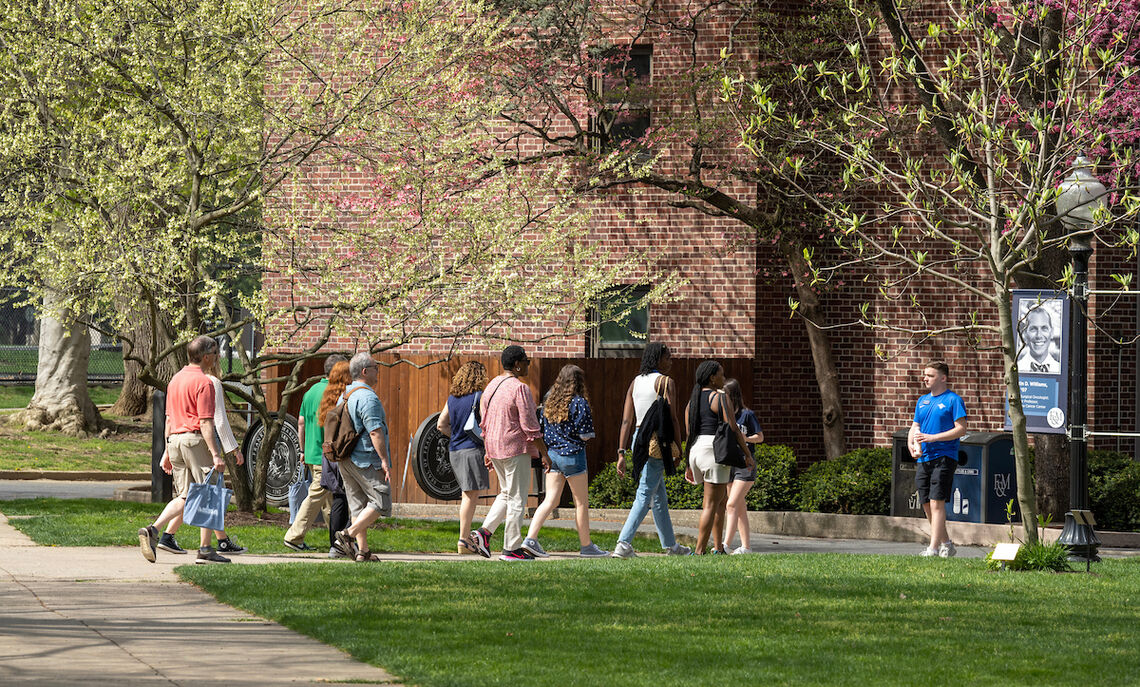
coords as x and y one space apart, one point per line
310 430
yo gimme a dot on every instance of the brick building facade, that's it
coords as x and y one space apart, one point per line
734 306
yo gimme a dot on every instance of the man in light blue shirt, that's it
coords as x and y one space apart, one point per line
366 474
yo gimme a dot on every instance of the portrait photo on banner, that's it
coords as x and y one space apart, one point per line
1039 333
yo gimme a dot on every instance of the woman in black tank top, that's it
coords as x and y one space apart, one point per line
706 410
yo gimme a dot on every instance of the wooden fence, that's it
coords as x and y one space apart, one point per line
411 395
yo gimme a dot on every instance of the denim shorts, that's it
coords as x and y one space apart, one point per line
570 465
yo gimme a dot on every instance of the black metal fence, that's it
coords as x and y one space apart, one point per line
20 339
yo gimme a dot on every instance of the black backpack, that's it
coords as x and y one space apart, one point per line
340 434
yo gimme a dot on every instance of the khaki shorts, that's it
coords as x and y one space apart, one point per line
191 460
365 488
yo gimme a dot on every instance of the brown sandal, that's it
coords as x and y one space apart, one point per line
367 557
347 543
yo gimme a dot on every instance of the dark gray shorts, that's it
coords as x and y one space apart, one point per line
743 474
469 469
934 478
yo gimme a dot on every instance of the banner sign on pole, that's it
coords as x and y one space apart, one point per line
1042 338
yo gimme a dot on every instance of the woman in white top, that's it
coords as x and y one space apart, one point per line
229 444
655 362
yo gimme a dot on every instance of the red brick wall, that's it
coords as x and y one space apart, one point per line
726 310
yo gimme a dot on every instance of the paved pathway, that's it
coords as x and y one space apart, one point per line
60 489
104 616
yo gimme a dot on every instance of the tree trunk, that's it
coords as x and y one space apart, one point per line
1026 498
61 402
134 399
1051 474
826 376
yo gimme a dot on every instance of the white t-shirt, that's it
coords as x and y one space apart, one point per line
221 420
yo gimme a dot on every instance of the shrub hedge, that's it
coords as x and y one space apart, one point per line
858 483
1114 491
775 487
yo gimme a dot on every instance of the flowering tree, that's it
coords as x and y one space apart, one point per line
959 121
312 167
577 93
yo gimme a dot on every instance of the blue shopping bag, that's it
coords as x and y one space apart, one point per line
297 493
206 504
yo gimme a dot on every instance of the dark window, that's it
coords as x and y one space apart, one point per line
621 323
623 92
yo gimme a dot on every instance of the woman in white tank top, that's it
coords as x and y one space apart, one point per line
655 362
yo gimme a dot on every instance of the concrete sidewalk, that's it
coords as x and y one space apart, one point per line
104 616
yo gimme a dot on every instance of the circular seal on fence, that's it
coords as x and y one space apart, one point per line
1055 418
285 464
431 464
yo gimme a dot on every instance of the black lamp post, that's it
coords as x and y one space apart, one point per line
1081 195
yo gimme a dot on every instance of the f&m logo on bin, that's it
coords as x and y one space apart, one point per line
1002 484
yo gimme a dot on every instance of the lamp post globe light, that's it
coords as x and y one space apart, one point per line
1081 195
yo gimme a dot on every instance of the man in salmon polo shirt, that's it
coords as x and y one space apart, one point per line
189 444
511 435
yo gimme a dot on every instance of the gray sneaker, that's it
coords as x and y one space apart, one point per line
209 556
947 549
928 552
335 552
623 550
148 540
591 550
535 548
678 550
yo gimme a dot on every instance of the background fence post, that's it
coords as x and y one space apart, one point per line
161 485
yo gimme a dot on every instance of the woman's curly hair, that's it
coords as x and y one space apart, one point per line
339 378
571 382
471 377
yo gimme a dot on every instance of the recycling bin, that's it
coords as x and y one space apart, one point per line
984 482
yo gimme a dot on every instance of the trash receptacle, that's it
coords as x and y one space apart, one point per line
984 482
904 497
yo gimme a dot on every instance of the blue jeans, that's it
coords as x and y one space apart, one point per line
650 489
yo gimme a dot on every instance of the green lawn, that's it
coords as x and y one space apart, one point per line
18 396
98 522
743 620
18 360
127 451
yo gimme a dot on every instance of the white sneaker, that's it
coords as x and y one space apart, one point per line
947 549
928 552
678 550
623 550
741 549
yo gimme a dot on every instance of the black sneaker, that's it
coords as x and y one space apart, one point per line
227 545
148 538
481 538
299 547
516 555
167 543
209 556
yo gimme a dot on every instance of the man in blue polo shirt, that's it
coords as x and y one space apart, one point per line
939 421
366 474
